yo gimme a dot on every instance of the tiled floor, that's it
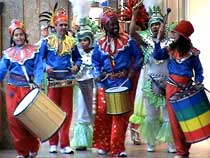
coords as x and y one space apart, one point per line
199 150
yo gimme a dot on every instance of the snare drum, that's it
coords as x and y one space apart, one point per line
39 114
192 110
117 100
60 78
52 83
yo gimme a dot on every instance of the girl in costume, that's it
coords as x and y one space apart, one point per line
184 63
19 55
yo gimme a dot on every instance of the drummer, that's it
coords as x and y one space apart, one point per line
62 60
183 61
19 57
111 61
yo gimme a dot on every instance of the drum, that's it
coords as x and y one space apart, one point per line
117 100
61 83
56 79
192 110
39 114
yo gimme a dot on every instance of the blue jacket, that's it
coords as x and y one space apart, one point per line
190 67
12 60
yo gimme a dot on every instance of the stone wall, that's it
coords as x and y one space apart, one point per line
27 11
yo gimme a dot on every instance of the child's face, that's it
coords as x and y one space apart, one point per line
174 36
19 37
155 28
84 42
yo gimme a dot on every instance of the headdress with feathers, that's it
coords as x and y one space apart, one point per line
155 15
48 17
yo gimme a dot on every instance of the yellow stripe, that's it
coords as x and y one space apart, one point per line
195 123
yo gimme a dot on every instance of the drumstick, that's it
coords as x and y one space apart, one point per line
25 73
206 89
31 85
123 82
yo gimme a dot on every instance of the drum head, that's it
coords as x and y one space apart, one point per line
116 89
26 101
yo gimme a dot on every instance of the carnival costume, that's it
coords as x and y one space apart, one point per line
61 55
14 58
112 59
181 71
155 127
83 131
141 20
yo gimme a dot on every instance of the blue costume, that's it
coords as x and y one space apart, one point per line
112 60
61 55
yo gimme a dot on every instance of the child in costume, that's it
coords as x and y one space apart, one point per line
183 64
83 134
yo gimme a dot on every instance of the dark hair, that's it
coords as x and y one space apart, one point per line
182 45
12 43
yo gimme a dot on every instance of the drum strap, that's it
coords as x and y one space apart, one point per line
19 78
157 84
174 83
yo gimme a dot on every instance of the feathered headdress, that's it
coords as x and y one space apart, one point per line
47 16
155 15
87 22
53 17
141 19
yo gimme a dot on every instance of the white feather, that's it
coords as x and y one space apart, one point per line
81 8
151 3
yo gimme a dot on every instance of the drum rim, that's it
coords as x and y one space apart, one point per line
29 103
109 113
173 101
198 140
126 88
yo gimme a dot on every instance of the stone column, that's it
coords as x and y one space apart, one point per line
1 101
